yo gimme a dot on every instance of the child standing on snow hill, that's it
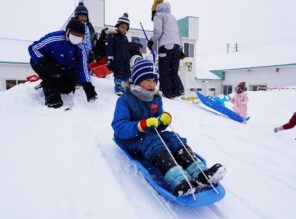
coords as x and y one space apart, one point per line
118 55
134 48
81 13
289 125
240 100
137 114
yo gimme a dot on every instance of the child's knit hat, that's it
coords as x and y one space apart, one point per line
142 70
123 20
81 9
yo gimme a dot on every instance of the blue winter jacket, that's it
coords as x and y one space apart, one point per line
56 47
128 112
118 50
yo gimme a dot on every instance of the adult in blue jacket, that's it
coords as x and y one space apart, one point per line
59 58
137 115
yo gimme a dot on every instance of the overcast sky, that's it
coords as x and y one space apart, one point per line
248 22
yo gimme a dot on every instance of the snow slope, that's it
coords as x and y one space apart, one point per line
64 164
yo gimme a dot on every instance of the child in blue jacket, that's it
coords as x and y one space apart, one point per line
59 58
137 114
118 55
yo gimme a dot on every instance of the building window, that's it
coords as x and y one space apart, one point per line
189 49
143 40
212 91
227 89
195 89
11 83
258 87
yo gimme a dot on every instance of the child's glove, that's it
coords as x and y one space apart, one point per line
277 129
165 118
110 64
90 92
150 44
147 123
182 54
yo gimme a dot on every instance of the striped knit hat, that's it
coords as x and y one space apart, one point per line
81 10
142 70
123 20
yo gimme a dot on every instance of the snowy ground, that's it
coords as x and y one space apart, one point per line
64 164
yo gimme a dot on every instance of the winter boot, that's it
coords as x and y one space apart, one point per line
173 175
214 175
195 166
52 96
118 88
188 160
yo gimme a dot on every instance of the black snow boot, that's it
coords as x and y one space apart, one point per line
163 162
52 96
173 174
183 189
184 158
214 175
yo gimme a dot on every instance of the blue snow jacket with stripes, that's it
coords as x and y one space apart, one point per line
56 47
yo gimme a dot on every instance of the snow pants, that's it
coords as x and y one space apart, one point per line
150 144
169 81
55 80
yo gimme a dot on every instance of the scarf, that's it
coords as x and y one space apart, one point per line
142 94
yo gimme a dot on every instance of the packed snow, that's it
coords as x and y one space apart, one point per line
64 164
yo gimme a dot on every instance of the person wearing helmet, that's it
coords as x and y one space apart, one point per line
60 59
135 47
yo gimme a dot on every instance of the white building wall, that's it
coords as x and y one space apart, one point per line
96 9
13 72
285 76
206 86
193 28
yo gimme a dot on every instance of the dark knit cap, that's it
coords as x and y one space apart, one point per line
242 85
76 26
142 70
81 9
123 20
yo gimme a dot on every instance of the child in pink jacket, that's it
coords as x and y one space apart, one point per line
240 100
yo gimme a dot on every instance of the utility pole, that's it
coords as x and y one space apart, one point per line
236 47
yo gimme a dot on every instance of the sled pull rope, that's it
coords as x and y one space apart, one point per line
186 178
194 160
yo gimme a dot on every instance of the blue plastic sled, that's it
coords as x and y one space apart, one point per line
216 105
152 175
